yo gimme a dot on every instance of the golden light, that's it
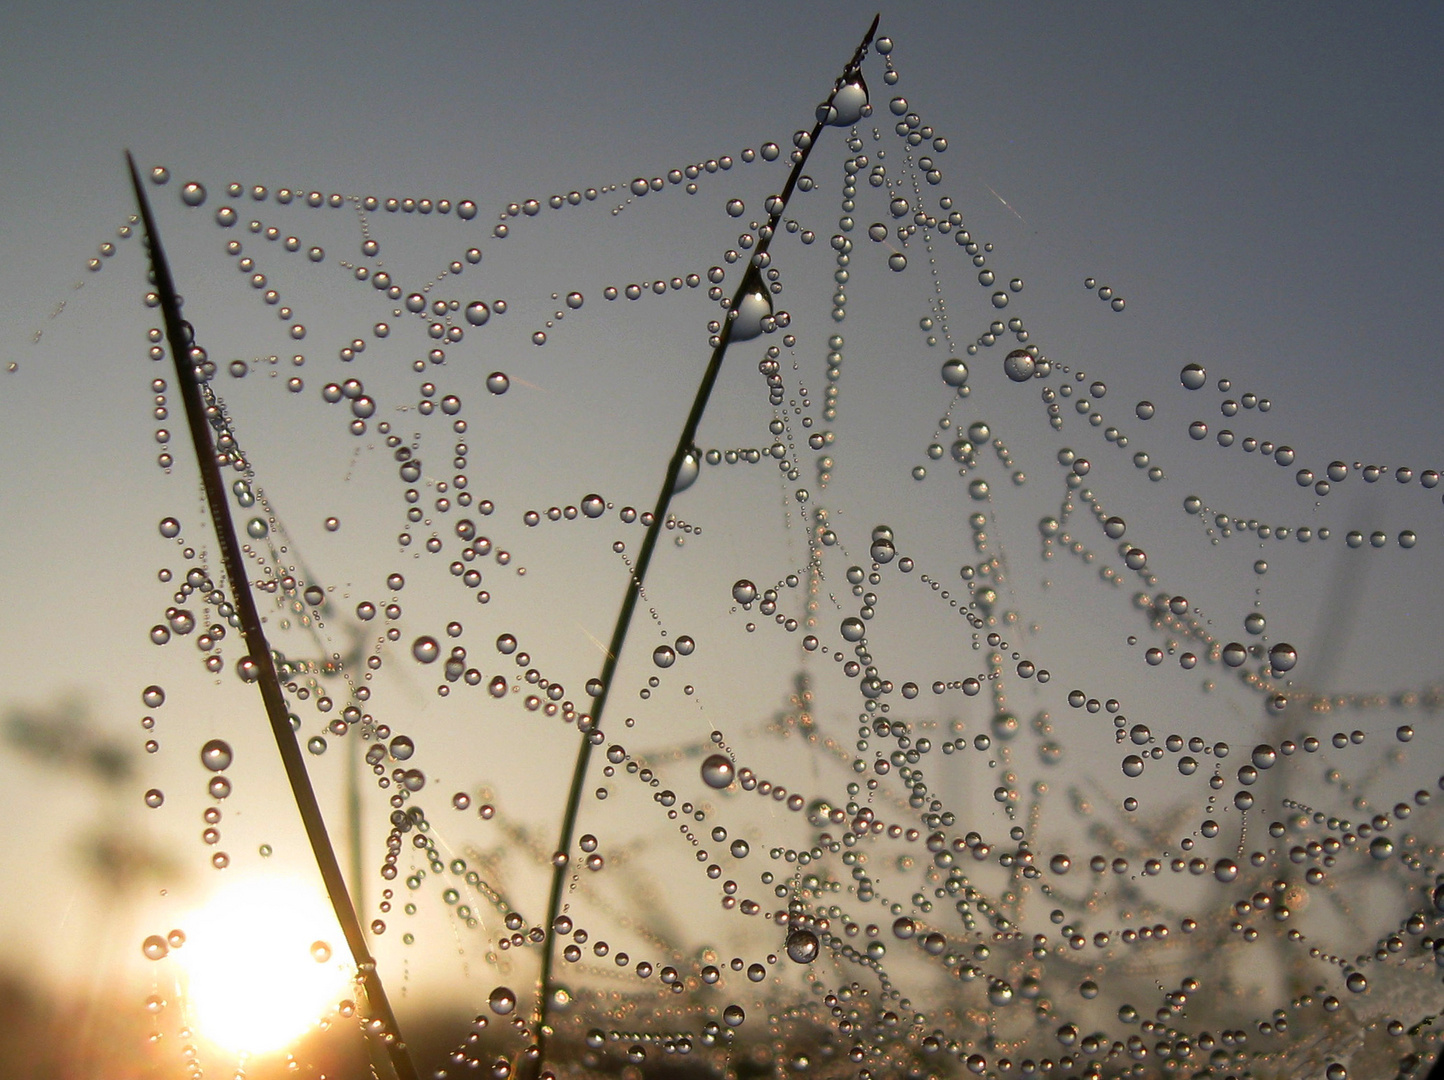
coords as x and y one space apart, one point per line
262 964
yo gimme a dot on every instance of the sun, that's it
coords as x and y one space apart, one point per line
260 966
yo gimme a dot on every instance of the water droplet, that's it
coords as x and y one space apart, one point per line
663 656
733 1016
498 383
1225 870
1193 376
153 696
257 529
690 469
744 591
849 104
477 313
154 798
216 755
802 946
717 771
425 649
954 372
502 1001
154 947
320 951
193 194
1283 657
1019 365
593 505
752 311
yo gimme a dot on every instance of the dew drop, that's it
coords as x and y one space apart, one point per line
1019 365
802 946
954 372
717 771
216 755
425 649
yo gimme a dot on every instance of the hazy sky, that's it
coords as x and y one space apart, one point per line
1261 183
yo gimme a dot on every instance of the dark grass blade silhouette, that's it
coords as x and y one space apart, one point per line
685 446
181 338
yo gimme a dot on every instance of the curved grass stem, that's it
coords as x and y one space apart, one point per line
180 337
686 444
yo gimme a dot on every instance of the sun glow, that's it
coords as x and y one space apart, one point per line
260 964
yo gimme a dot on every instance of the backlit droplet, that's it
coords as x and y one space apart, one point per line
733 1016
1283 657
498 383
849 104
193 194
477 313
154 947
1193 376
954 372
154 798
744 592
216 755
754 307
802 946
663 656
425 649
689 471
717 771
1019 365
502 1001
593 506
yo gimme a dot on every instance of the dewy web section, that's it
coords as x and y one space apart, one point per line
970 711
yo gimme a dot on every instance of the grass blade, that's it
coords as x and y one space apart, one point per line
180 337
685 444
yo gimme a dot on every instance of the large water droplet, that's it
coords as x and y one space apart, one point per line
802 946
1019 365
849 104
717 771
754 307
216 755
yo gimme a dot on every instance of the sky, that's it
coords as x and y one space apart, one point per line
1259 184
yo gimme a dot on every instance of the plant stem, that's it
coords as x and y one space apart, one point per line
685 445
180 336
